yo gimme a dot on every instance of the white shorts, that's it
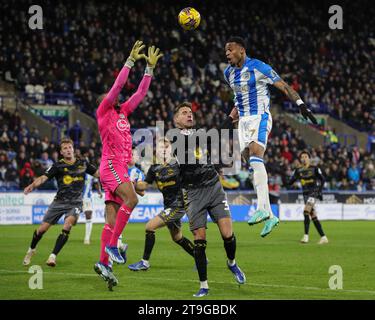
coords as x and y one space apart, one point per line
254 128
87 205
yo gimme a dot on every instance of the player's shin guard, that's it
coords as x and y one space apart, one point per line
105 238
60 242
149 244
307 223
318 226
187 245
230 247
261 184
36 238
123 215
200 258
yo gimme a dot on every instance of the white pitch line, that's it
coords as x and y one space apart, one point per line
189 280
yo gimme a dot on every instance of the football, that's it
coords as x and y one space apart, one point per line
189 18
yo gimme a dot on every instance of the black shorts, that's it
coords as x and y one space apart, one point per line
59 207
199 201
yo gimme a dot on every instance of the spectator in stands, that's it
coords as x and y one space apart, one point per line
45 161
26 175
353 175
75 133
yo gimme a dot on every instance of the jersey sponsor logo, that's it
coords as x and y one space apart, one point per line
122 125
198 153
305 181
240 88
162 185
67 180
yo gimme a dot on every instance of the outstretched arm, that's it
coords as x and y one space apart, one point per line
129 106
37 182
294 97
152 58
110 99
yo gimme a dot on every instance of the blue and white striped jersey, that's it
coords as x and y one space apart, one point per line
250 86
87 189
136 174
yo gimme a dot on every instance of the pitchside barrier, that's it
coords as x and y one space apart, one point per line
16 208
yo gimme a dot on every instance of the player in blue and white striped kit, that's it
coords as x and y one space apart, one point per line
87 207
249 79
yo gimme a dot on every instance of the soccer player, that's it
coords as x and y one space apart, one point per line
203 193
312 181
166 174
114 129
70 175
87 204
249 79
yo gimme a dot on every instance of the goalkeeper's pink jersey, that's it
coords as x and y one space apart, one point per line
114 127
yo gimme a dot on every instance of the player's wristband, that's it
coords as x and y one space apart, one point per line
299 102
129 62
149 71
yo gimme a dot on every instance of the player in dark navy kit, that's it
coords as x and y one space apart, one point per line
203 193
70 175
312 181
166 174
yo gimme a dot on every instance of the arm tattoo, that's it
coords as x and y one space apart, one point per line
291 93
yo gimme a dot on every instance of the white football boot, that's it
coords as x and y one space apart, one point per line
29 254
51 260
323 240
305 238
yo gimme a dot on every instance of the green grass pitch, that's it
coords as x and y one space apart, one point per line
277 267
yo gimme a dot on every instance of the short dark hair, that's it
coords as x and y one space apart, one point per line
183 105
239 40
304 152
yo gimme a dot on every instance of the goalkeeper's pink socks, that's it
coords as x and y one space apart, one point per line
105 239
123 215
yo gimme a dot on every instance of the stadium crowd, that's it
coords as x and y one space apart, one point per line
83 45
25 155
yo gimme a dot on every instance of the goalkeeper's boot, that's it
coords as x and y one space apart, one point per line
138 266
114 254
258 216
28 256
122 250
201 293
269 225
237 272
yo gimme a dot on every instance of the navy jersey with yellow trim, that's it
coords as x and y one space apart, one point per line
168 181
70 178
194 171
311 178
